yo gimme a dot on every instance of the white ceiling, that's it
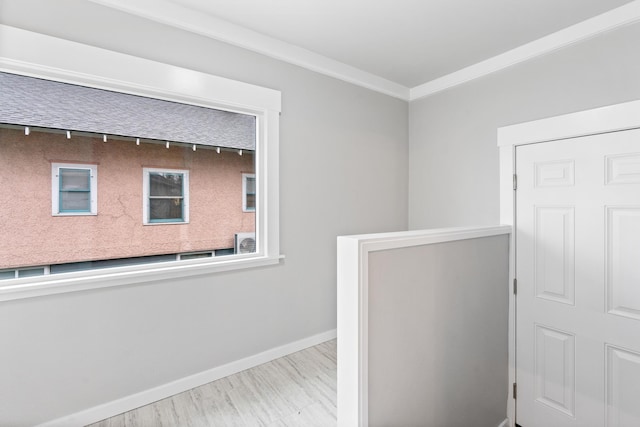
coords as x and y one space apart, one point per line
395 43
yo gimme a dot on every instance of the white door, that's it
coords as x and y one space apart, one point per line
578 277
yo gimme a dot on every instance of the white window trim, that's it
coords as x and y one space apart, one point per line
16 271
55 188
244 191
145 195
28 53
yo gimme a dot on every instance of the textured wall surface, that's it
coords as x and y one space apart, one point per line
117 231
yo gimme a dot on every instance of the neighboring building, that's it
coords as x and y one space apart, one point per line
84 199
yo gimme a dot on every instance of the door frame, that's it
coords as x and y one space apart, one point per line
611 118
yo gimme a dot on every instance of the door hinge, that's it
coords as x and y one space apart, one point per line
515 390
515 182
515 286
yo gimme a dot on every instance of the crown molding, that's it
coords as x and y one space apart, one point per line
615 18
177 16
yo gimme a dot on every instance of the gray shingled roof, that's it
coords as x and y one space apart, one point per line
29 101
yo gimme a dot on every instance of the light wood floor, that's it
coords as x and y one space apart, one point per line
297 390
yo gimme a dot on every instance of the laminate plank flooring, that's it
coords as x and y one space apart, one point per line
297 390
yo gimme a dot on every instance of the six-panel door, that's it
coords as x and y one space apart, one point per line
578 271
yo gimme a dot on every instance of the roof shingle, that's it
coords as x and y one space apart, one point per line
29 101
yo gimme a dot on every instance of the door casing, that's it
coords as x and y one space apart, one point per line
589 122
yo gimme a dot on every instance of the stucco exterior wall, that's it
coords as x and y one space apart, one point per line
31 235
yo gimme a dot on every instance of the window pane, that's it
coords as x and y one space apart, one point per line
140 187
105 263
223 252
74 179
165 184
196 256
251 185
251 201
75 201
170 209
31 272
7 274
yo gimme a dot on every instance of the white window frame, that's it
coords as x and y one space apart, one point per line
17 271
28 53
146 205
246 176
55 188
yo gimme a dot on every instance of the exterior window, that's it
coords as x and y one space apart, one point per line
195 255
169 155
248 192
166 196
74 189
23 272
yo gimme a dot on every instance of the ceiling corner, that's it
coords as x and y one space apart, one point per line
615 18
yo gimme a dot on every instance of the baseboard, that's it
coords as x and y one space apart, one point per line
505 423
110 409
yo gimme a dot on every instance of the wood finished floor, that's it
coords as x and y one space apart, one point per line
297 390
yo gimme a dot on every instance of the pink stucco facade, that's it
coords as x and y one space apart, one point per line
32 236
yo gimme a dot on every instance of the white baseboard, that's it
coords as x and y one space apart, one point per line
505 423
146 397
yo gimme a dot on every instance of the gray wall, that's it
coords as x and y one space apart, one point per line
453 157
438 334
344 161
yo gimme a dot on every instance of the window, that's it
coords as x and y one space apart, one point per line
23 272
195 255
248 192
74 189
214 128
166 196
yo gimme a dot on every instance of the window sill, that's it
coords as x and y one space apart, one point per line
75 214
16 289
165 222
